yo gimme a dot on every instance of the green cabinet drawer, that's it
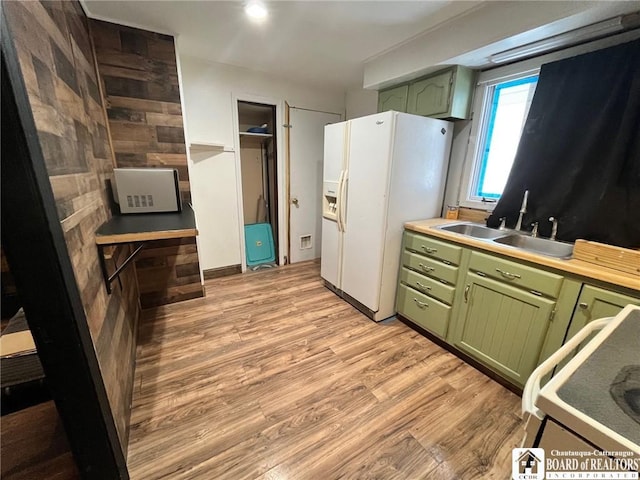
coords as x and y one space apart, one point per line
433 248
523 276
430 267
425 311
427 285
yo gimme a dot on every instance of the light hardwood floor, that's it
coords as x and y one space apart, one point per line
272 376
33 445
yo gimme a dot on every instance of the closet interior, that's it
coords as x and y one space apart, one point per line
258 166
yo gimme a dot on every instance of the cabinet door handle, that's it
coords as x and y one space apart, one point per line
423 287
420 304
583 305
508 275
429 249
425 268
466 293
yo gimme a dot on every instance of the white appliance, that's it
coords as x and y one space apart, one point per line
147 190
594 400
380 171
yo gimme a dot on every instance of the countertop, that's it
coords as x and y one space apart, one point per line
574 266
140 227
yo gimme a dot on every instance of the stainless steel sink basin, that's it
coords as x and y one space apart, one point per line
538 245
512 238
473 230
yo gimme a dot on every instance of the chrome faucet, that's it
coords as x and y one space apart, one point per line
554 228
502 223
523 210
534 232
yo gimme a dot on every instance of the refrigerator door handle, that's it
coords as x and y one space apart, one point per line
339 202
343 200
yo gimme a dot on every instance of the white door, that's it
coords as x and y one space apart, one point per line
306 146
366 216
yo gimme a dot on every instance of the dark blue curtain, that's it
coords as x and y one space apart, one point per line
579 155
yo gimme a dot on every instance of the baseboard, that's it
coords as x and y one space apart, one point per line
212 273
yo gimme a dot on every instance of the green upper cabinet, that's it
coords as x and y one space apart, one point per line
444 94
431 97
393 99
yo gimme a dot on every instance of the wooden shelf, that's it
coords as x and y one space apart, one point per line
206 147
260 135
140 228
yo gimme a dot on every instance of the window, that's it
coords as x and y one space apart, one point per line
503 110
510 102
479 169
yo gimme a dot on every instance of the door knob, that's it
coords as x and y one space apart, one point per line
295 202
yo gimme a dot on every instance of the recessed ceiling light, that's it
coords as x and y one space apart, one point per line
256 10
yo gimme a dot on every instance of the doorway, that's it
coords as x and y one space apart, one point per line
259 182
306 159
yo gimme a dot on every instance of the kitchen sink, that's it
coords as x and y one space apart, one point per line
473 230
512 238
538 245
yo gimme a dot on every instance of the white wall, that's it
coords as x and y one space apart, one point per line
360 102
208 93
459 147
490 28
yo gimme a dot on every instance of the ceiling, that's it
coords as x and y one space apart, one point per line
324 43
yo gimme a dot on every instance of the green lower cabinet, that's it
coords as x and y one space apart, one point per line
423 310
595 303
502 326
509 315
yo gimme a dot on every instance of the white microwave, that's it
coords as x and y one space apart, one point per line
147 190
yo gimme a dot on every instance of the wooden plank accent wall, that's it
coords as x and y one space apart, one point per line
139 76
58 65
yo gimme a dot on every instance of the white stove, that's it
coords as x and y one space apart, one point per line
596 396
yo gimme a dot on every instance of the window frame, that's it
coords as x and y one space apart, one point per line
475 154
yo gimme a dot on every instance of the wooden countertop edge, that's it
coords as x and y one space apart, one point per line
145 236
574 266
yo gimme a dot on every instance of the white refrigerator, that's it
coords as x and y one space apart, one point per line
380 171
